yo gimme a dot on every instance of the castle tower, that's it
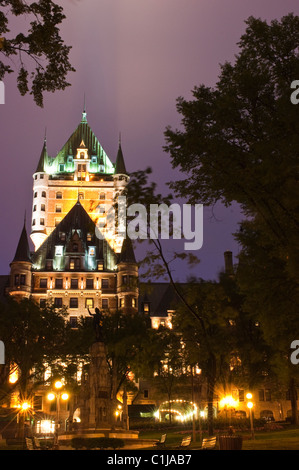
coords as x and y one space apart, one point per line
81 170
20 281
127 278
76 261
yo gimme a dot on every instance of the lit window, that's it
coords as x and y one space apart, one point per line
89 303
75 263
58 250
43 207
92 251
100 266
146 307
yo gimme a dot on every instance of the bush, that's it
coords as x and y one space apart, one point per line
97 443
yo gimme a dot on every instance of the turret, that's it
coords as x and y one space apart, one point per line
39 206
127 278
20 268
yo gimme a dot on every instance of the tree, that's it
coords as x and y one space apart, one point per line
271 299
33 339
239 140
40 42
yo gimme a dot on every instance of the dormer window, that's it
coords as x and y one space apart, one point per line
58 250
146 307
92 251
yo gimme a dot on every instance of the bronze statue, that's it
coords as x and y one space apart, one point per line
97 324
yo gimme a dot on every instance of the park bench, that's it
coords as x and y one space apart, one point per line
29 443
209 443
186 441
162 441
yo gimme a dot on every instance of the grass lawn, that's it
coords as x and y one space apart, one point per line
287 439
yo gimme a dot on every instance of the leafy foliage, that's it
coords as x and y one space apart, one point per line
40 42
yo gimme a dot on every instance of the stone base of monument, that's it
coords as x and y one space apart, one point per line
96 407
130 438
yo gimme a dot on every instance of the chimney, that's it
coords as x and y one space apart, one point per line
228 261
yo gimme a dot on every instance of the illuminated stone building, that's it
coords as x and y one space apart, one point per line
79 260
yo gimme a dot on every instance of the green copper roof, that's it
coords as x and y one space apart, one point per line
77 221
83 136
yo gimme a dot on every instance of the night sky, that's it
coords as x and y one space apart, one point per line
133 58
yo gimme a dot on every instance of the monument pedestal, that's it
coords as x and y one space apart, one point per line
95 403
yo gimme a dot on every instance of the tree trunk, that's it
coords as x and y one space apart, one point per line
293 398
211 380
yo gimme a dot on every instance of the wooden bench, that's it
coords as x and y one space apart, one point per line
29 443
209 443
186 441
162 441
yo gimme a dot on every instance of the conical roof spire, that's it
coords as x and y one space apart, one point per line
43 157
120 167
84 114
23 251
127 254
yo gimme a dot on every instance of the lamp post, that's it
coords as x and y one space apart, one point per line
58 395
250 406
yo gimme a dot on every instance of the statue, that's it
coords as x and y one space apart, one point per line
97 324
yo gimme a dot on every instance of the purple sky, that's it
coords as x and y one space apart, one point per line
133 58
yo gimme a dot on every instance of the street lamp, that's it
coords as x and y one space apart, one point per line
59 395
250 406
